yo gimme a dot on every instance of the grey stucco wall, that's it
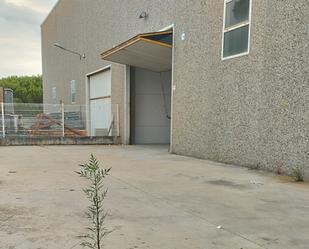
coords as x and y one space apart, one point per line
251 110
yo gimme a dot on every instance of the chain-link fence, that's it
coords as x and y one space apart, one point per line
55 120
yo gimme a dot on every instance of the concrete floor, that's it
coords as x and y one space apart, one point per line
156 200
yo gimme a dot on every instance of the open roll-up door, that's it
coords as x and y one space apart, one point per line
152 51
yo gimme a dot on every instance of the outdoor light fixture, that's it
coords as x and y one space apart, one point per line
81 56
183 36
143 15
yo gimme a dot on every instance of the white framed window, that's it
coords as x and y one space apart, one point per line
73 91
236 28
54 93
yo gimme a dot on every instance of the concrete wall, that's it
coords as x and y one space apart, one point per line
40 141
251 110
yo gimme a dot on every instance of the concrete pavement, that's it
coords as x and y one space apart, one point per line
156 200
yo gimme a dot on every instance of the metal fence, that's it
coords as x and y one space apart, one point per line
53 120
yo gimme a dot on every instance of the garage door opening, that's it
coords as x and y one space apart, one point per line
149 85
150 106
100 108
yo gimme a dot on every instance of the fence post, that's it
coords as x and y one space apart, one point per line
62 116
3 120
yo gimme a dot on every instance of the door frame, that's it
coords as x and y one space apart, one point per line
87 92
127 95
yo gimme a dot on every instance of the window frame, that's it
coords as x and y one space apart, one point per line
54 93
234 27
71 91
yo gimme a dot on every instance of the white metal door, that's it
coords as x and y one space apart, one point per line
100 103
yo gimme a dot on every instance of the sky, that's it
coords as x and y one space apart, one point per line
20 35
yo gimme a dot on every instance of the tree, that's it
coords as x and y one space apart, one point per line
27 89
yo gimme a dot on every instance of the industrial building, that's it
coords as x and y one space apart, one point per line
222 80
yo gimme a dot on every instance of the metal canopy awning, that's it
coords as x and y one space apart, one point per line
151 51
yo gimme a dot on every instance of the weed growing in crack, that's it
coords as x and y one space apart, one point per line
299 174
96 195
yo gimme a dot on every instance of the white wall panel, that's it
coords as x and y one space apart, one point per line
100 85
152 106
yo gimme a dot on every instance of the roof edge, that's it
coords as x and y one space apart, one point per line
131 41
50 12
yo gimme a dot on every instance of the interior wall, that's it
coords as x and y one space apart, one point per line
151 107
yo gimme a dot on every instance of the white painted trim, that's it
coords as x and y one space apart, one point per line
250 25
237 26
235 56
173 87
127 109
87 92
240 25
87 106
223 27
171 27
99 70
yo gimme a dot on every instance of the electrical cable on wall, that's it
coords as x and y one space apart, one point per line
168 116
